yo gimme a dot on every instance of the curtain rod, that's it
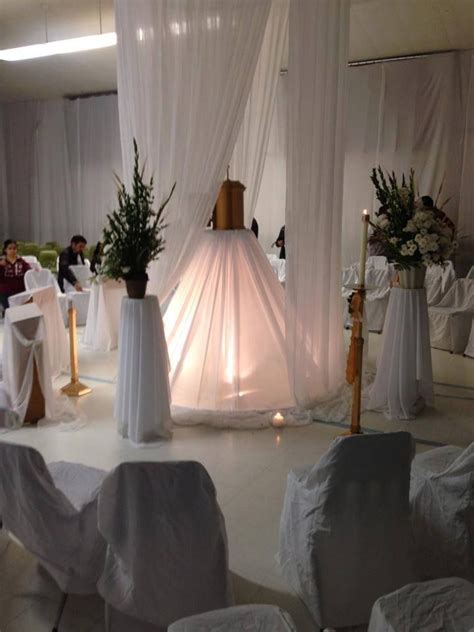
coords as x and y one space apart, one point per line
382 60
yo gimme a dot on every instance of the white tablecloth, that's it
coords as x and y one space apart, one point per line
142 404
404 380
56 336
23 346
103 317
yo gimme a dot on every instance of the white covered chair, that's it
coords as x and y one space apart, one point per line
451 320
470 274
80 299
52 511
442 508
35 279
377 278
442 605
253 618
345 527
167 545
438 282
32 261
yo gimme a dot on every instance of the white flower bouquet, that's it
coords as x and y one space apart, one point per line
413 230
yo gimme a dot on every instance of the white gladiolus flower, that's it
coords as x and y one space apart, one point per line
126 269
410 227
383 221
404 194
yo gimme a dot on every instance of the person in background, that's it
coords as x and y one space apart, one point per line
280 242
12 272
254 227
96 258
71 256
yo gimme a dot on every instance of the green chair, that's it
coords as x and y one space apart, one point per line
47 259
30 249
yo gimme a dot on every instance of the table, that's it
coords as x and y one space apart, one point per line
56 336
27 381
142 403
103 316
404 379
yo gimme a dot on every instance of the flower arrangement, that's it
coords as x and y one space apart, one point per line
413 230
133 236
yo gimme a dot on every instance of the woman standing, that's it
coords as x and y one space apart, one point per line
12 272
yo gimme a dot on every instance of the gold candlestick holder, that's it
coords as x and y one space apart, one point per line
74 388
355 357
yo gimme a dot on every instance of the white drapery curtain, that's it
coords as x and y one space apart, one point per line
466 196
318 48
250 150
57 176
184 75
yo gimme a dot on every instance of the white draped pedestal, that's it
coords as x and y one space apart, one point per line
47 301
404 380
103 317
142 404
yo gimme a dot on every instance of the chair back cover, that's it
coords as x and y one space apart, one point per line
442 504
35 279
345 529
253 618
442 605
32 261
167 544
377 262
470 274
460 297
438 281
63 538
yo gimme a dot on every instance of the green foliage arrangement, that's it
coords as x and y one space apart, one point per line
133 236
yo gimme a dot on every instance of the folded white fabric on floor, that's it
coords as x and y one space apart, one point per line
441 605
451 320
167 545
252 618
341 545
442 510
53 512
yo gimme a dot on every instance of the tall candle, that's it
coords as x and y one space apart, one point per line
363 246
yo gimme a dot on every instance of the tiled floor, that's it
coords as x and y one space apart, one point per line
249 469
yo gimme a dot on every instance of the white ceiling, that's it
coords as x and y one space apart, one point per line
379 28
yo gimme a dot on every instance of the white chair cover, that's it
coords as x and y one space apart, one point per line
47 300
32 261
345 527
81 300
82 273
35 279
377 262
451 319
279 267
442 605
53 512
253 618
469 350
442 506
167 544
470 274
438 282
103 317
377 277
24 345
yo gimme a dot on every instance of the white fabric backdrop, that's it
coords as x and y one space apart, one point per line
202 56
318 47
248 159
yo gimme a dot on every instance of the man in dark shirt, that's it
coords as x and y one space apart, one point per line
71 256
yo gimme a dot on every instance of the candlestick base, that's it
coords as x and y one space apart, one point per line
75 389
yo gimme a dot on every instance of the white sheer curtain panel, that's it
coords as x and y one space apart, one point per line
318 44
270 208
95 155
465 256
185 69
250 149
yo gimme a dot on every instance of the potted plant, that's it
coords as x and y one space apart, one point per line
414 232
133 236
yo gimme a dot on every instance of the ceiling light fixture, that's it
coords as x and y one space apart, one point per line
60 47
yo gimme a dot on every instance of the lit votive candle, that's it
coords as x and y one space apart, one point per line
278 420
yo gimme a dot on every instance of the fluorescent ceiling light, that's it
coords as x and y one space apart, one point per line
59 47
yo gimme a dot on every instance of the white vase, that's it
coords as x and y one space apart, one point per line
412 278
